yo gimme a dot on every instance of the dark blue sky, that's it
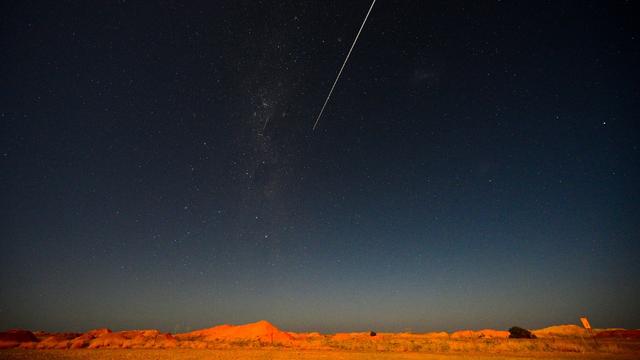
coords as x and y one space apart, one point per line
476 167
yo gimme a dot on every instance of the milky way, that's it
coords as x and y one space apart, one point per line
476 166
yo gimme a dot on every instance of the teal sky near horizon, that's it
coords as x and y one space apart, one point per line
476 166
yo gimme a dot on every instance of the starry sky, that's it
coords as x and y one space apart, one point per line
477 165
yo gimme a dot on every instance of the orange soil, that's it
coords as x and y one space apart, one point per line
262 334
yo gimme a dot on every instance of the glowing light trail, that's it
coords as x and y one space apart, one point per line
343 64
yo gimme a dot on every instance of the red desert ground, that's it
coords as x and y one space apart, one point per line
262 340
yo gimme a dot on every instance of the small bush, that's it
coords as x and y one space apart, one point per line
520 333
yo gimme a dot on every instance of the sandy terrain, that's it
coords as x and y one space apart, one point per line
262 340
286 354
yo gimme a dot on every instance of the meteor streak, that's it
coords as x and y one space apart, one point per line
343 64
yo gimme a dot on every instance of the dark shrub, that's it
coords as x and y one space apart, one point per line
520 333
372 333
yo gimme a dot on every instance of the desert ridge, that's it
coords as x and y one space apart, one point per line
264 334
262 331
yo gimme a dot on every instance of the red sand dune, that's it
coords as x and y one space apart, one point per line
262 331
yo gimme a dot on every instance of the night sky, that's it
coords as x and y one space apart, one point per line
477 165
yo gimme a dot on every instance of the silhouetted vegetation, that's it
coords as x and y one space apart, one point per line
520 333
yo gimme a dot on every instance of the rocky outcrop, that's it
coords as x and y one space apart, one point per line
261 331
16 337
480 334
561 331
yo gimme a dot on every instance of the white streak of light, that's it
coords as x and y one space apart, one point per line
343 64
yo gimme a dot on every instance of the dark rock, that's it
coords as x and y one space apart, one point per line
14 338
18 336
